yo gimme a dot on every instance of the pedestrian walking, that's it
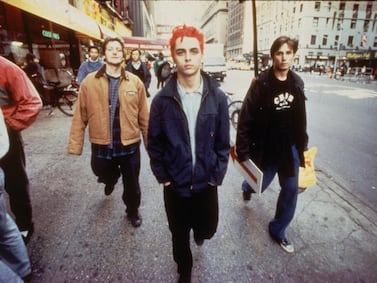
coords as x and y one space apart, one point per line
157 67
94 63
139 68
272 132
20 104
188 145
113 104
14 259
35 73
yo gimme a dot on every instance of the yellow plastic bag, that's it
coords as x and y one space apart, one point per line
306 176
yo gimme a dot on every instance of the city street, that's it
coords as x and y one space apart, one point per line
83 236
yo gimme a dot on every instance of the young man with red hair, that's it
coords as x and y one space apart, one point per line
189 146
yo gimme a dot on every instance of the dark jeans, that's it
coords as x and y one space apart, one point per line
109 171
287 200
199 213
16 181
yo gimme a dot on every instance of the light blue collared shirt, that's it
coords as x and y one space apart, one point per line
191 104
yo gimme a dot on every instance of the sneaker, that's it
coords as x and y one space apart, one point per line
26 234
109 189
135 219
287 246
246 195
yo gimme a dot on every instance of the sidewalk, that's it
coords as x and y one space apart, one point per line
83 236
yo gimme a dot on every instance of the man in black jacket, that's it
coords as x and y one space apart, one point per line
188 144
272 132
140 69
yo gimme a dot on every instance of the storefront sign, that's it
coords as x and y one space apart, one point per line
50 34
359 55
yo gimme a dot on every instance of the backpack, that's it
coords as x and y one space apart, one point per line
164 71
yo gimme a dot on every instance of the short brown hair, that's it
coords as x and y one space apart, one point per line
110 39
136 49
292 43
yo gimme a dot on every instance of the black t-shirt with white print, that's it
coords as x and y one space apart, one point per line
281 102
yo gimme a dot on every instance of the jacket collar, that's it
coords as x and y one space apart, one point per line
102 73
209 85
264 77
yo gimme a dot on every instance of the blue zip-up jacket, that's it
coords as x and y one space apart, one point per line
169 142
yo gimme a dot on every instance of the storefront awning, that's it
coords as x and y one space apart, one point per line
145 43
60 13
105 32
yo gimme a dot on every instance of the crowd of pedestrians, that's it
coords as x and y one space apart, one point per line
185 132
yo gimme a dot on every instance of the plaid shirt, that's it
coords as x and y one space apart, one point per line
115 148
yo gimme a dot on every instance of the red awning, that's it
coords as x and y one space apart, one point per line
146 43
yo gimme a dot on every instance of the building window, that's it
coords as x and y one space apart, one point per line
315 22
368 13
299 23
317 5
329 5
353 24
366 25
355 11
375 42
324 39
313 39
336 41
301 7
350 41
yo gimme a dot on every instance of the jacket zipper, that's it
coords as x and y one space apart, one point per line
187 131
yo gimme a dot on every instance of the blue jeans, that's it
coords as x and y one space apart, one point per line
14 260
286 205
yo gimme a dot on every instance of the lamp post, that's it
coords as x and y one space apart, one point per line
340 27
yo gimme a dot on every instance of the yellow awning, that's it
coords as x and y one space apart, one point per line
60 13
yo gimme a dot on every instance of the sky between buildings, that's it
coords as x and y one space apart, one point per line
179 12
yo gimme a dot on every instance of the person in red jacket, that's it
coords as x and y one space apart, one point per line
20 104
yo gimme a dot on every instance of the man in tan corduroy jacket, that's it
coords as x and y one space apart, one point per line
113 104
